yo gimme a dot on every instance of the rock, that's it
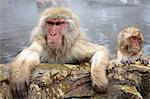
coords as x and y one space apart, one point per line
73 81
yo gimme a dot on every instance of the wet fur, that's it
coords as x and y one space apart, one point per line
75 46
124 51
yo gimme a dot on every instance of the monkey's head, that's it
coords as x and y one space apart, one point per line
130 41
59 26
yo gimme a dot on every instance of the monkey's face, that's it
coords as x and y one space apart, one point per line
134 44
55 28
130 40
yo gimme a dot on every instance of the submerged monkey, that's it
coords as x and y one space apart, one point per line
57 38
130 46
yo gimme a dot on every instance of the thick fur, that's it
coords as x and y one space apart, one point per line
75 47
123 54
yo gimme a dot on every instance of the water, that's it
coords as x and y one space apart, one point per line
100 19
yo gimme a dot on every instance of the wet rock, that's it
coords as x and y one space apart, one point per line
132 76
73 81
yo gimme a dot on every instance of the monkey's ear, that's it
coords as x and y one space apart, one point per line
42 21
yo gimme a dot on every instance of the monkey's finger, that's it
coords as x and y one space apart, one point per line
129 62
19 90
13 91
125 62
145 62
100 89
24 89
132 61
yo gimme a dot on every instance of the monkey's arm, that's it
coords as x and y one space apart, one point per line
120 56
21 67
99 60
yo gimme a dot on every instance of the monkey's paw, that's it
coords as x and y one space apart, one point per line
144 60
19 89
101 87
128 61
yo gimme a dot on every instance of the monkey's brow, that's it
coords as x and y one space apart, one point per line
55 23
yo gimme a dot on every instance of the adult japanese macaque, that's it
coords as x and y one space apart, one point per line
57 38
130 46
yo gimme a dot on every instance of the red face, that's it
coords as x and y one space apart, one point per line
135 42
56 28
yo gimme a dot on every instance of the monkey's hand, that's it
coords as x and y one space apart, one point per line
99 81
144 60
128 61
19 79
20 72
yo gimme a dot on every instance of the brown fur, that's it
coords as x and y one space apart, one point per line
123 54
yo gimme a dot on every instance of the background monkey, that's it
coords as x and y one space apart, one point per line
130 46
57 38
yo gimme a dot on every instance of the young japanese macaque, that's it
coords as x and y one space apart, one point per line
57 38
130 47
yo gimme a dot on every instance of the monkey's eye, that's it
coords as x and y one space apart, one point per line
60 23
55 23
134 37
50 23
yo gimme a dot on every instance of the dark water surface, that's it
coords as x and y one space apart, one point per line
100 19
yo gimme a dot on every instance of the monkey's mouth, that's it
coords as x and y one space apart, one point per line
135 51
53 44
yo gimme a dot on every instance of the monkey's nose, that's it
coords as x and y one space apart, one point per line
54 30
53 33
